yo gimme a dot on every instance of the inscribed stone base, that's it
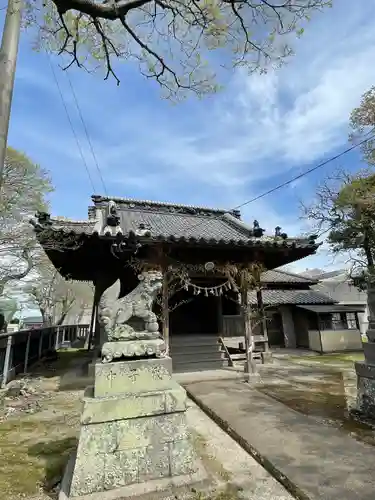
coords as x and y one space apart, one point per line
124 377
366 389
160 488
133 428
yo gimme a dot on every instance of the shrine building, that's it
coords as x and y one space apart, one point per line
121 231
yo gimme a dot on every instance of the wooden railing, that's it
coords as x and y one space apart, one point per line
19 350
233 326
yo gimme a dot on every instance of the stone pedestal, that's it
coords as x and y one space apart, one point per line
133 428
366 379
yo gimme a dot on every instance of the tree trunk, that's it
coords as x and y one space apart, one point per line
44 315
370 283
61 319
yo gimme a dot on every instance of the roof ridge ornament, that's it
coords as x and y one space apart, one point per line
258 232
43 218
279 234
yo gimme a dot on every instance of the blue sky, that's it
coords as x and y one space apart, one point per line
220 151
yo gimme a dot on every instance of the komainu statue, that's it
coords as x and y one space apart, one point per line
130 326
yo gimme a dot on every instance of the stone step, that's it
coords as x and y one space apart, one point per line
197 350
238 356
198 366
194 339
191 358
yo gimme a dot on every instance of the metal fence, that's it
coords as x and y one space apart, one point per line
19 350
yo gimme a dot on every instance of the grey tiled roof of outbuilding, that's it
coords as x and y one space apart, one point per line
285 277
297 297
174 222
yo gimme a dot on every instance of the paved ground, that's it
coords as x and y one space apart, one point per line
230 463
320 461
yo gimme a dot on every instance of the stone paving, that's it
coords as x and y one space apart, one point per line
231 463
312 458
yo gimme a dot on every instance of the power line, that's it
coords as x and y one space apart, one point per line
87 134
323 164
71 123
286 183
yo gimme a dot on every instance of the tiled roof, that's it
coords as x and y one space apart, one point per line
284 277
297 297
320 274
72 226
170 222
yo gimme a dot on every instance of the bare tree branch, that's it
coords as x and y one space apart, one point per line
170 39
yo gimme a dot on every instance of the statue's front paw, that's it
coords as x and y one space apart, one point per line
152 326
107 357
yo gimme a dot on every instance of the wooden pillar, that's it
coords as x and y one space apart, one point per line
249 340
320 333
165 310
263 323
220 315
92 333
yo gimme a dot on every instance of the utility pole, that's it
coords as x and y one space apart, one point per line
8 61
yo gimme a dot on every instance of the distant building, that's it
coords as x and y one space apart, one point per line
339 287
32 322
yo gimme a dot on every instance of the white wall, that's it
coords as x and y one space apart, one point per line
363 321
341 340
314 340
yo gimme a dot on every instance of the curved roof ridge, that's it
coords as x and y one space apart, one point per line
59 218
117 199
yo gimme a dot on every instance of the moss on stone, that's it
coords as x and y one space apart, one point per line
230 492
328 359
211 463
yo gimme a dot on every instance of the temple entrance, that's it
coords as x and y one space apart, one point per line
194 332
197 314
